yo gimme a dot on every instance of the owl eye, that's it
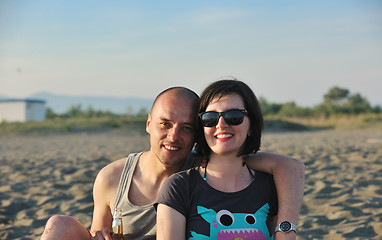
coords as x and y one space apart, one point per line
250 219
225 218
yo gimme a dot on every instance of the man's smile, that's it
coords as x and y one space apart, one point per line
171 148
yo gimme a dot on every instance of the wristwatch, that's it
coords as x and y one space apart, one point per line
285 227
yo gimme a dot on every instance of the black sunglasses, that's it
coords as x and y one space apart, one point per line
231 117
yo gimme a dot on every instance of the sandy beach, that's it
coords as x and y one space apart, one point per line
41 176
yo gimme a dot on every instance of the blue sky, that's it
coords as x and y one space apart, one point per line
285 50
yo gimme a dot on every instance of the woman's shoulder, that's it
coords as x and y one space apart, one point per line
177 184
263 176
185 174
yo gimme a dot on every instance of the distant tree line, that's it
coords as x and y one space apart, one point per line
337 101
76 111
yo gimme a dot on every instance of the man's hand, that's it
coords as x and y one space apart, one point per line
104 234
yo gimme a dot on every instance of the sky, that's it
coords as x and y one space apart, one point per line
284 50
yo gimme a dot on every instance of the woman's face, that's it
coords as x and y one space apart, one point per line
225 139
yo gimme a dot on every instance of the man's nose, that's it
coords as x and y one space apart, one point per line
173 133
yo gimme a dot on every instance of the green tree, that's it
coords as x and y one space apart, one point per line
357 104
90 113
288 109
336 96
75 111
339 100
269 108
50 114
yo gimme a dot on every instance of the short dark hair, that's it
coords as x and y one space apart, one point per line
225 87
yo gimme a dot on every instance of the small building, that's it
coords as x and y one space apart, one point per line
22 110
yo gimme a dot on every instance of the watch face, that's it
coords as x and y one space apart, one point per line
285 226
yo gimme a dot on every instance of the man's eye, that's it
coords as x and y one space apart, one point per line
165 124
188 129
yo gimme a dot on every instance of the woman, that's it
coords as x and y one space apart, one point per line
223 199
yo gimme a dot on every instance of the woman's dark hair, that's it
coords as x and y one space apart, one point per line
220 89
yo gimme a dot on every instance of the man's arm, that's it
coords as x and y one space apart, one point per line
289 176
104 193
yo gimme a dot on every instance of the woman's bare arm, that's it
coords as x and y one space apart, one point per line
171 225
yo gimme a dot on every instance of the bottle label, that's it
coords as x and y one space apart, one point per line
116 222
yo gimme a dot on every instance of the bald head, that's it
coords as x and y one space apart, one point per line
181 93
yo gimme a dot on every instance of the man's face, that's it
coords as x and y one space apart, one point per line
172 129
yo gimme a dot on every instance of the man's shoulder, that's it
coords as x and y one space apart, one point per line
109 175
116 167
113 167
113 171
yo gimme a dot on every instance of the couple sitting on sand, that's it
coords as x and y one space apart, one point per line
227 186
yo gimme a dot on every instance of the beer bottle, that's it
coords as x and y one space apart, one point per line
117 225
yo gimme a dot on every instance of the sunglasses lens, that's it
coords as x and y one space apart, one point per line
234 117
231 117
209 119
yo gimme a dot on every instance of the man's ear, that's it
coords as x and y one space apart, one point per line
148 123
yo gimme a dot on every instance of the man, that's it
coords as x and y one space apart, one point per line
171 125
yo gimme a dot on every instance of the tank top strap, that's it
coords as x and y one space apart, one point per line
126 176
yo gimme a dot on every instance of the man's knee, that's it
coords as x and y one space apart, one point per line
60 221
60 226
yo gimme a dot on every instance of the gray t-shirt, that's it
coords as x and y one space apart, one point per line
212 214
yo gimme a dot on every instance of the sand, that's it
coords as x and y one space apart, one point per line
41 176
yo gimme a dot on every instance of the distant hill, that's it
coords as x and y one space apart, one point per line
62 103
